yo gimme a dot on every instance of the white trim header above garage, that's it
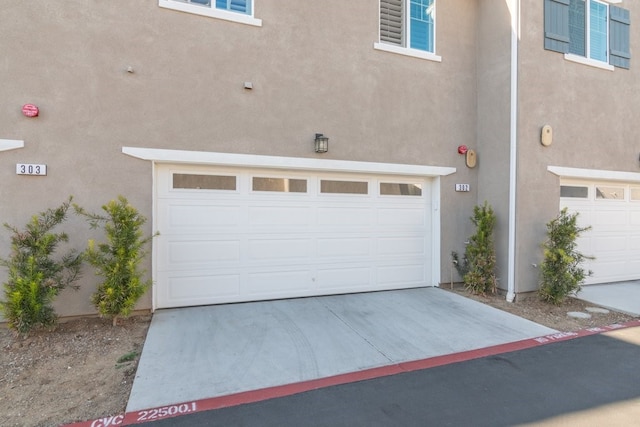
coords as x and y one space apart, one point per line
251 160
594 174
10 144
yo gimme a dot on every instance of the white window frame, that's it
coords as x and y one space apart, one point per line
406 50
587 59
212 12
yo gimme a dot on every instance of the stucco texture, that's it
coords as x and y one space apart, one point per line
313 69
593 113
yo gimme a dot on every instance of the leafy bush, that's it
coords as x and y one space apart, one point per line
560 269
35 277
479 262
118 259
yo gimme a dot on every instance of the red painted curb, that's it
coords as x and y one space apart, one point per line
170 411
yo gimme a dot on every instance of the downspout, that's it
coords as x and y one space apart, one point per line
513 144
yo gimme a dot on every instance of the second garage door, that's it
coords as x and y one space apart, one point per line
612 210
236 234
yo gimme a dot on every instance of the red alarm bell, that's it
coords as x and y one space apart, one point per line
30 110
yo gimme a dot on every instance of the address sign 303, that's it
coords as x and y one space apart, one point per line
30 169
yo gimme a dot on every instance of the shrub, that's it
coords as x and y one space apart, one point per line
35 277
118 259
560 269
479 262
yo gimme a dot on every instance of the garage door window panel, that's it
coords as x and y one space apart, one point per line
280 185
635 194
400 189
185 181
574 192
609 193
344 187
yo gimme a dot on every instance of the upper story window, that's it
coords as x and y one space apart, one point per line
589 29
593 32
231 10
239 6
408 27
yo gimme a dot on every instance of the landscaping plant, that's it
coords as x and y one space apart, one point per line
561 274
478 265
118 259
35 275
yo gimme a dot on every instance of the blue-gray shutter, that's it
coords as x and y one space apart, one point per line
619 49
391 18
556 25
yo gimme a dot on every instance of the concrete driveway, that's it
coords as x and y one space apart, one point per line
561 383
622 296
202 352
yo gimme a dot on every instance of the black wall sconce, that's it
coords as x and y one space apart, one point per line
321 143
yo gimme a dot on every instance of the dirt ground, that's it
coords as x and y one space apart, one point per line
555 317
80 371
84 368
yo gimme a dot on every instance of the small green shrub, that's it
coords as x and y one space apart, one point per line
478 265
561 274
118 259
128 357
35 276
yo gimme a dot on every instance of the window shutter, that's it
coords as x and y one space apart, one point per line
619 49
556 25
391 17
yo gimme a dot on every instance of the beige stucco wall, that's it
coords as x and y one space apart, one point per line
593 113
493 130
313 69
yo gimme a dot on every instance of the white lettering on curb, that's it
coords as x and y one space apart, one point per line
108 421
166 411
562 335
553 337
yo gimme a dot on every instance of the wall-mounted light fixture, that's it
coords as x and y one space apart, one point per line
321 143
546 135
470 155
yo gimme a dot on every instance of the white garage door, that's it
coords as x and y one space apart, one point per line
230 235
612 209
